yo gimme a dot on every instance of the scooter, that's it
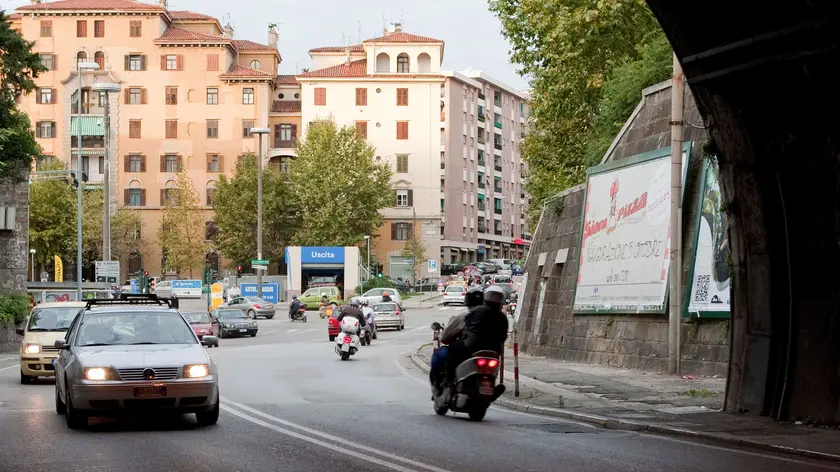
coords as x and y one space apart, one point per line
299 315
347 343
474 387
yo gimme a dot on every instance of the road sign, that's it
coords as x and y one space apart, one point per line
107 271
270 291
259 267
432 265
216 291
135 289
262 262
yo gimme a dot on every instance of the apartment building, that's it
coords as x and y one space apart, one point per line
190 93
482 196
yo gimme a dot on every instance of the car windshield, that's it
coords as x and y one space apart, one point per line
134 327
380 307
255 300
230 315
197 318
52 319
454 288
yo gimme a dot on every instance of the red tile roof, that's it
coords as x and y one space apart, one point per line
241 71
245 45
124 5
353 48
285 80
354 69
14 16
402 38
173 33
285 106
184 15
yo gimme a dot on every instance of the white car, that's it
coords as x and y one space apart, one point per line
454 294
136 354
389 315
374 295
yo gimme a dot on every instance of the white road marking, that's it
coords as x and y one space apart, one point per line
308 330
291 330
9 367
333 440
33 410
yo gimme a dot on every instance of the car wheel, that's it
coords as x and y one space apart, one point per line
60 407
76 419
25 379
209 418
332 338
252 314
253 335
269 317
221 334
445 304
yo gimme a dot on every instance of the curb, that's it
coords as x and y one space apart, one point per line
625 425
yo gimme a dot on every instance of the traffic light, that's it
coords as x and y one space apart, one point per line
379 275
239 271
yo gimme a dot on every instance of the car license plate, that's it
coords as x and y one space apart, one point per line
485 387
144 392
243 330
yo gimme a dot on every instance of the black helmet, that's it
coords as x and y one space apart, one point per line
474 297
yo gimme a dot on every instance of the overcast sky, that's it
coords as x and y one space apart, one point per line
472 33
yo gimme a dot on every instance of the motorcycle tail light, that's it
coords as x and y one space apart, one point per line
492 363
346 339
481 362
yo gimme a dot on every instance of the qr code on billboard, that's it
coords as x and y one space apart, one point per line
702 292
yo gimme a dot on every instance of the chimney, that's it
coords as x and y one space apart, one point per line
228 31
273 38
347 52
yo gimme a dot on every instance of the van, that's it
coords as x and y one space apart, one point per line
163 289
46 324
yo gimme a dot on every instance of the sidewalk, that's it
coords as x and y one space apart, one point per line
423 300
659 403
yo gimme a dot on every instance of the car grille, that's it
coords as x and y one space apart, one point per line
48 349
161 373
241 325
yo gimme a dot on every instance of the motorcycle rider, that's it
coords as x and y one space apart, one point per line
370 316
454 331
386 297
294 307
353 310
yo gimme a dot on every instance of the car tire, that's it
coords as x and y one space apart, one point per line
252 314
253 335
445 304
269 317
332 338
210 417
25 379
76 419
221 335
60 407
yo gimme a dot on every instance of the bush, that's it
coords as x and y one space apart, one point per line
375 282
13 308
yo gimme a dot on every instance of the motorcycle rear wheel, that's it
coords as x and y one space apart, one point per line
345 356
441 409
477 412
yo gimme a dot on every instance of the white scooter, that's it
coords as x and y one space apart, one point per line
347 342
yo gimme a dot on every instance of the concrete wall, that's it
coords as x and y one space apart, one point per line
14 251
547 323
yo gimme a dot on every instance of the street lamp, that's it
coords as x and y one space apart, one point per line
106 88
80 68
367 239
32 257
259 132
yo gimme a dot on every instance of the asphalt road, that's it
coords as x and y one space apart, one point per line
290 404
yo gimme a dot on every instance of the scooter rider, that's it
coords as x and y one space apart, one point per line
294 307
353 310
454 331
370 316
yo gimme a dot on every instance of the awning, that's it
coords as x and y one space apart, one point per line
481 196
91 126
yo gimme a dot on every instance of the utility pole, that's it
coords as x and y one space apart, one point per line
414 248
675 299
259 132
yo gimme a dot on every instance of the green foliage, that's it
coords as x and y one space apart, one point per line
338 187
52 218
182 229
13 308
375 282
126 226
18 68
415 249
235 203
568 49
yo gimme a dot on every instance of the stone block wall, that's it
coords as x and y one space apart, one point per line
547 324
14 250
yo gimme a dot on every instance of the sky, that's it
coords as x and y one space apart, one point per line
472 33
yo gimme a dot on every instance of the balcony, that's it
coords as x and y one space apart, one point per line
482 229
481 96
481 207
481 184
480 139
498 146
284 143
480 115
497 189
522 195
497 211
498 167
497 124
498 232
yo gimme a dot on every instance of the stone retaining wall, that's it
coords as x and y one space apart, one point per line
9 340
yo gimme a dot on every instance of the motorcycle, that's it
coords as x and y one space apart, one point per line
511 307
299 315
474 387
347 343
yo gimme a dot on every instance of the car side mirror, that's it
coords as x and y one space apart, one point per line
60 344
208 340
19 331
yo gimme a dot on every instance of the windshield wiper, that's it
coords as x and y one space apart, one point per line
57 329
142 343
96 344
38 329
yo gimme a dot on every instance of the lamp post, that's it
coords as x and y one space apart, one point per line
80 68
367 239
32 258
107 88
259 132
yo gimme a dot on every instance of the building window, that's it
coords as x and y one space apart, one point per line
214 163
136 163
169 196
135 62
402 97
497 98
212 129
247 96
48 61
99 28
171 129
320 96
135 29
46 28
170 163
400 231
171 95
212 62
45 129
402 130
81 28
402 198
81 56
134 128
211 195
171 62
212 96
102 165
246 128
402 163
361 129
361 97
402 63
135 96
46 96
135 197
99 59
255 64
284 135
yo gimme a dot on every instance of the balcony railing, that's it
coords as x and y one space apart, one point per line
285 143
481 139
481 184
481 207
497 146
497 211
481 96
482 229
497 124
497 189
498 232
498 167
480 116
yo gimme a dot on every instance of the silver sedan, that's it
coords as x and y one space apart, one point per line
134 359
252 306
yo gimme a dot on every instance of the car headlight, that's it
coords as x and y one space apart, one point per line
196 371
254 324
98 373
32 348
228 325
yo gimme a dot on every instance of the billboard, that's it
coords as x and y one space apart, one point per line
625 237
709 295
270 292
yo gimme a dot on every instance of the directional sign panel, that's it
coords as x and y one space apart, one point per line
107 271
259 262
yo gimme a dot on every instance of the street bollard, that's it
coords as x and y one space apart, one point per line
515 365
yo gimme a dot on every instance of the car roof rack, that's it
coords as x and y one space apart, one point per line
133 299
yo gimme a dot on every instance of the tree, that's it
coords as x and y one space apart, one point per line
568 48
182 231
126 227
52 218
18 69
235 203
415 250
338 187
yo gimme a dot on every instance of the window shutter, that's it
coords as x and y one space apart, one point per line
53 96
38 129
52 129
294 132
212 62
410 197
38 96
125 196
127 63
221 163
55 62
163 62
143 62
393 231
276 132
127 95
163 163
208 162
126 164
143 96
180 162
143 164
142 197
410 229
180 62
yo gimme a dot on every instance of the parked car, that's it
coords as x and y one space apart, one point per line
451 269
135 353
202 325
454 294
389 315
252 306
517 269
312 297
229 322
46 324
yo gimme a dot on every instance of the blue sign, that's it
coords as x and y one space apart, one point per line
480 249
271 291
135 289
432 265
180 284
322 255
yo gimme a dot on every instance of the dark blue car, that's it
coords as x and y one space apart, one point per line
516 269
